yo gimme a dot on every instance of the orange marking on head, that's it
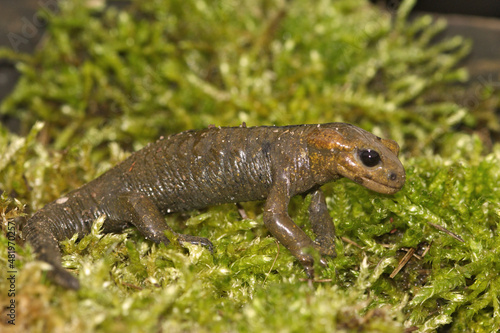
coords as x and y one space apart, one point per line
392 145
328 139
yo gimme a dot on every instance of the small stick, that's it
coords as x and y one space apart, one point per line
443 229
402 262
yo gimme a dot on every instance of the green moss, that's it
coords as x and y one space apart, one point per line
173 65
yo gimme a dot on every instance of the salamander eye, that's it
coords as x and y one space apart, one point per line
369 157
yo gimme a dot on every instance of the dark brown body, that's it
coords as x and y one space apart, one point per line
196 169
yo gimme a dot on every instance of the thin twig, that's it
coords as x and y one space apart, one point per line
446 231
242 211
274 262
347 240
427 249
402 262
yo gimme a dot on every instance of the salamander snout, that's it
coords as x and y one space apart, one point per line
395 180
376 168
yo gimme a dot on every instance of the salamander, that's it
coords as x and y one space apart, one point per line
196 169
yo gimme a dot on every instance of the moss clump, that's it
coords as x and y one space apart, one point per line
173 65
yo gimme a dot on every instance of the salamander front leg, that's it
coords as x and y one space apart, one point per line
322 224
140 211
282 227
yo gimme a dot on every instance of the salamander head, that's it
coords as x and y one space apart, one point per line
339 149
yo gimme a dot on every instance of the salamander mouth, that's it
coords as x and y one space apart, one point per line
386 182
376 186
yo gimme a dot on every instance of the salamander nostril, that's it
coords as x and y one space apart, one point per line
392 176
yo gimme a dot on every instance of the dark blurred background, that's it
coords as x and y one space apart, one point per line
489 8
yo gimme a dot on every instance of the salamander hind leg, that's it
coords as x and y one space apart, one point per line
141 212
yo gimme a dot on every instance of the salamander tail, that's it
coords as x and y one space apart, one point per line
46 248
